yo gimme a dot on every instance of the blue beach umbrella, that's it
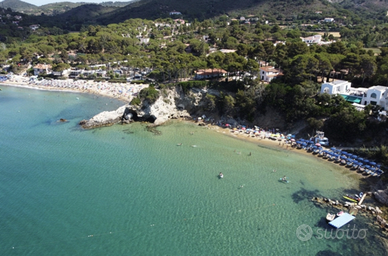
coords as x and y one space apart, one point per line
360 159
372 163
366 161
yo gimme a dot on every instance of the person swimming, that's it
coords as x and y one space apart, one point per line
284 178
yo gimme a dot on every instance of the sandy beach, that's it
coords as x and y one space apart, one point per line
120 91
262 140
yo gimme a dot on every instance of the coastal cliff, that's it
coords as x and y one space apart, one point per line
171 104
175 103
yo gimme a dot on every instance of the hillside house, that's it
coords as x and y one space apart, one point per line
209 73
375 95
62 73
175 13
145 40
42 68
268 73
225 51
74 73
315 39
336 87
34 27
328 20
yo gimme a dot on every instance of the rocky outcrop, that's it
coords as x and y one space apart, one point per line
381 196
106 118
170 106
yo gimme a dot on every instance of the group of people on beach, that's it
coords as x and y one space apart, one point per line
117 90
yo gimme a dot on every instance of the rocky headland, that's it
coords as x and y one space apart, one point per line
173 104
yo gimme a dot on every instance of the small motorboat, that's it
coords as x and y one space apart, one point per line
330 216
340 213
221 175
284 180
351 198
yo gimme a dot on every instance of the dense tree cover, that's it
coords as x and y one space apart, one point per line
175 53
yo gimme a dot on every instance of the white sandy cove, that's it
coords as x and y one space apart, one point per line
121 91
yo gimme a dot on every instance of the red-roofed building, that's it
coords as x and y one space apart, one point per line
268 73
209 73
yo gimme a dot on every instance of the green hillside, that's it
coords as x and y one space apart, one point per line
17 5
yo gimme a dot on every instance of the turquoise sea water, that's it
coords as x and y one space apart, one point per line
124 191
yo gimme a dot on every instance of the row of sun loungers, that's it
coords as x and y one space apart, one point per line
341 157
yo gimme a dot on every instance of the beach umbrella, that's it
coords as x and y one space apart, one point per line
292 139
366 161
360 159
318 144
344 153
372 163
227 125
333 148
343 157
367 166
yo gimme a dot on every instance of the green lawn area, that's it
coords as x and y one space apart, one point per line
377 51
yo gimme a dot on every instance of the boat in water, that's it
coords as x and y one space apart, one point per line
221 175
284 179
330 216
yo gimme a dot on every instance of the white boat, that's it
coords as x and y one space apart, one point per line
330 217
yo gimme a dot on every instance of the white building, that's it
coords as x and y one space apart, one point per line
375 95
328 20
336 87
315 39
42 68
175 13
268 73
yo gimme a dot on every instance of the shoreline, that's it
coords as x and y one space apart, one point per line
119 91
280 145
93 89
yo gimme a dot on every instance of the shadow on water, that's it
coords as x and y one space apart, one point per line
153 129
304 194
328 253
128 131
271 148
